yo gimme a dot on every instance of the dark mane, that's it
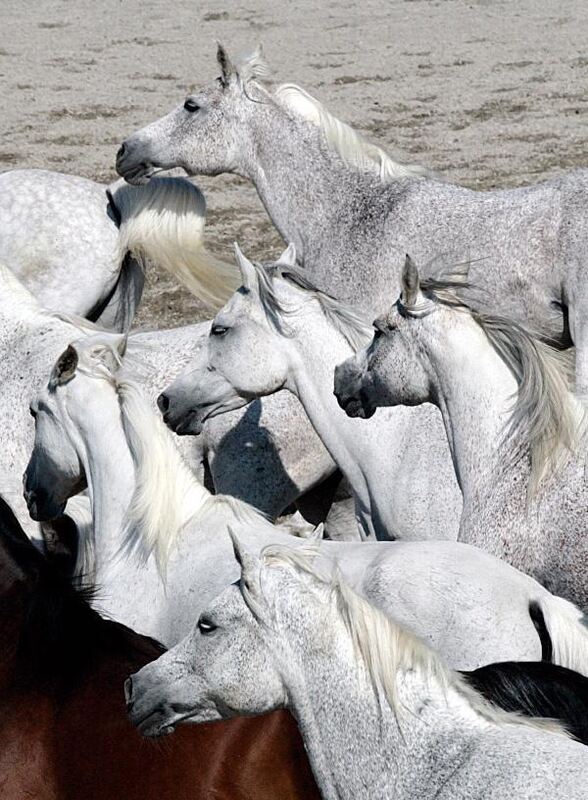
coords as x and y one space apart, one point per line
62 638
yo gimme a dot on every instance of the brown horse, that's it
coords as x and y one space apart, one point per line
64 733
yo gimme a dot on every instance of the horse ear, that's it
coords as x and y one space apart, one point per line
319 532
410 282
225 63
250 565
288 257
248 273
65 368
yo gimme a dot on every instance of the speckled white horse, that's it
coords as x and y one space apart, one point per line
83 248
278 332
94 427
516 433
353 212
381 714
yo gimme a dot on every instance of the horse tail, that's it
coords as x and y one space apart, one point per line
163 221
563 631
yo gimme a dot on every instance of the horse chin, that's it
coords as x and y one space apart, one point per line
189 424
139 176
356 407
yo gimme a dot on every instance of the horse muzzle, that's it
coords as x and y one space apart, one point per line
131 163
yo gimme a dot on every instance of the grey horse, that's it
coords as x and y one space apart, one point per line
517 434
381 714
352 212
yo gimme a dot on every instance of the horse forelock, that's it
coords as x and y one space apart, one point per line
253 67
385 648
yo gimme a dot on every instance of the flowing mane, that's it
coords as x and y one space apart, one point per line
547 420
163 221
354 329
354 150
167 495
387 649
340 137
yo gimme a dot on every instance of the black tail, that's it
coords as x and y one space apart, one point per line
536 615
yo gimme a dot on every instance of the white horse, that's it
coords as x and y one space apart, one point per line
381 714
83 248
255 457
516 432
93 426
278 331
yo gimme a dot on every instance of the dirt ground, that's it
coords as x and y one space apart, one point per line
487 92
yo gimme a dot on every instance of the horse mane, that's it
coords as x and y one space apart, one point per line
340 137
163 221
344 319
167 494
61 637
546 420
386 649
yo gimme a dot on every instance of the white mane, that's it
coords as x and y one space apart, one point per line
386 648
167 495
354 150
163 221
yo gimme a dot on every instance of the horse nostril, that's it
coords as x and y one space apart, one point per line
128 689
163 402
121 152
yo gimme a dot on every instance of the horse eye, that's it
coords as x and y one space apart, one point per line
191 106
218 330
205 626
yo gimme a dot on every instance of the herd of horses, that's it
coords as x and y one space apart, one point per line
410 586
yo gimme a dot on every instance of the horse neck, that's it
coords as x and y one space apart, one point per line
109 472
286 161
316 350
474 390
404 755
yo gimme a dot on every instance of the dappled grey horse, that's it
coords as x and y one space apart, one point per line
83 248
353 212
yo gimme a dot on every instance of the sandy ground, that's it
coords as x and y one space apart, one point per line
488 93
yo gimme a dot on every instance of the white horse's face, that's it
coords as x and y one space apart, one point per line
198 394
205 135
245 348
225 667
54 471
69 413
